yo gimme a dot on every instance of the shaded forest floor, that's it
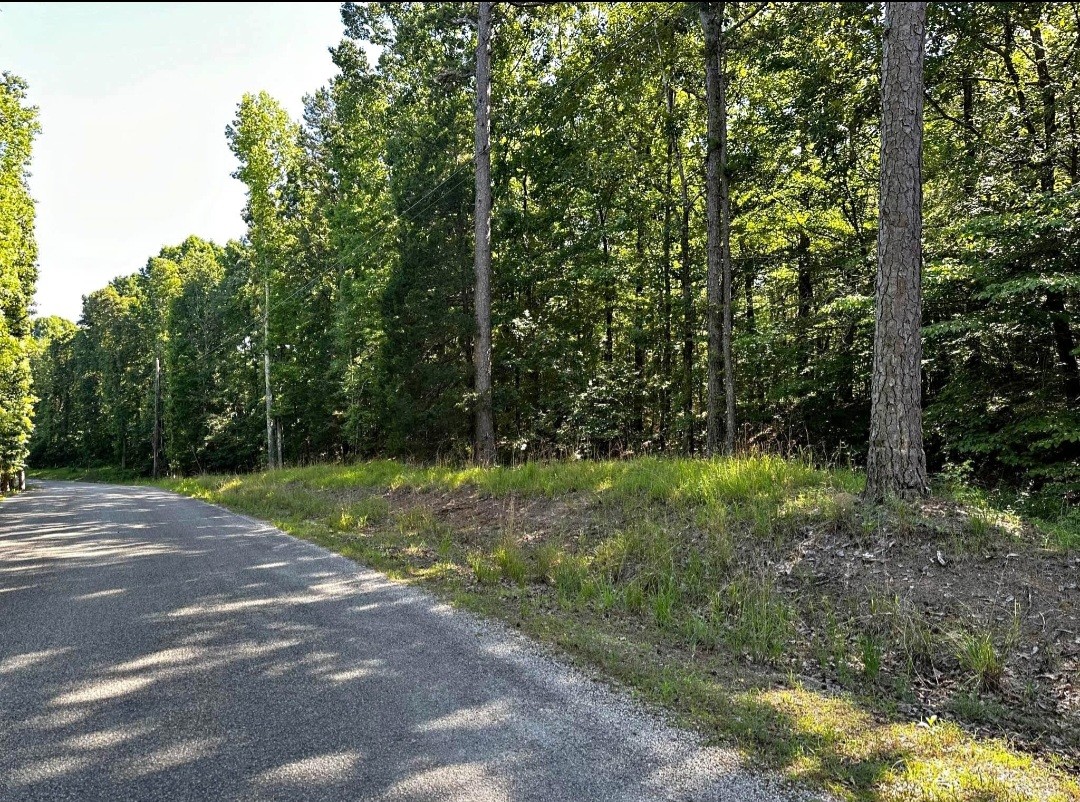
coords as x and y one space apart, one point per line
924 651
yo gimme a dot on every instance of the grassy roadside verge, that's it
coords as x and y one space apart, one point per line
755 599
104 474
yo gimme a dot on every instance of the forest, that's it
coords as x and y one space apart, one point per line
343 323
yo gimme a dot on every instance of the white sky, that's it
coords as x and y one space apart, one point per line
134 100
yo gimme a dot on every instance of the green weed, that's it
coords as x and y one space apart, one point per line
871 654
416 521
545 558
664 601
569 576
756 619
484 571
370 511
511 562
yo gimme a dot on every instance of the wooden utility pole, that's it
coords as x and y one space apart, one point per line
271 451
718 247
896 462
485 427
157 416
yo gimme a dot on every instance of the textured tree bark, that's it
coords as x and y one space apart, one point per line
967 86
1074 148
485 426
726 279
1049 108
639 328
717 259
748 286
687 288
609 307
279 443
804 278
896 462
669 213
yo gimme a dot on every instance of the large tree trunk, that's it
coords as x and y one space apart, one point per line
279 441
970 173
896 463
718 289
485 426
639 335
609 301
665 283
687 288
805 281
726 278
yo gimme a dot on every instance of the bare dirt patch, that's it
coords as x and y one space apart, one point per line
999 592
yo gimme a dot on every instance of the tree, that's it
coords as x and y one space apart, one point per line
896 462
485 429
55 379
264 139
18 273
719 232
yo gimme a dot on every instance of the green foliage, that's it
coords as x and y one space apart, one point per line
360 219
18 273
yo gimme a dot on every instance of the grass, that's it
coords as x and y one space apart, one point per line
106 474
659 573
747 482
983 654
978 654
759 623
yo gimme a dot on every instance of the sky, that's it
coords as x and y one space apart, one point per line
134 99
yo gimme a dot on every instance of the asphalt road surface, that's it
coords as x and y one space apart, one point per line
157 648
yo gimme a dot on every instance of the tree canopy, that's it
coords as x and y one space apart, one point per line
361 222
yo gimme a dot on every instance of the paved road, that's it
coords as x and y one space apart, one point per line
156 648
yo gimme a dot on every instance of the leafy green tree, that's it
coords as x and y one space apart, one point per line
18 273
54 370
264 140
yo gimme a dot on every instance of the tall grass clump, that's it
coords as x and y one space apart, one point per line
755 619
